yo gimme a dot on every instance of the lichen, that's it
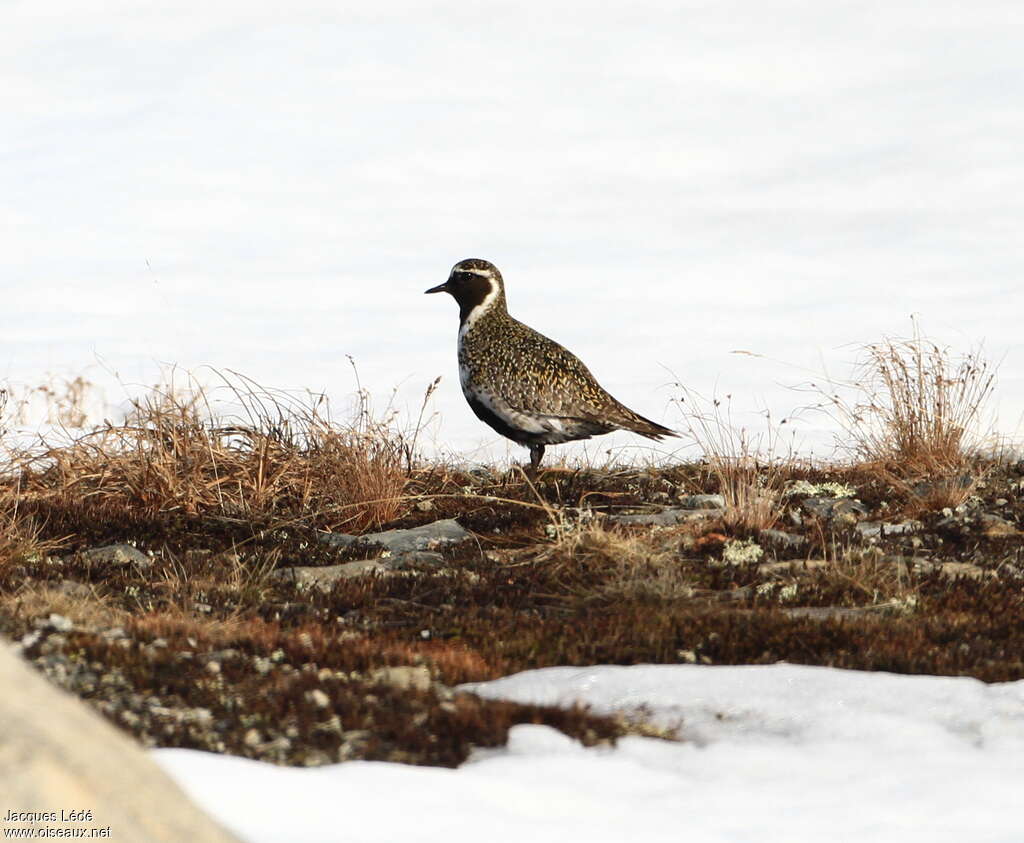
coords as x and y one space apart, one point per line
744 552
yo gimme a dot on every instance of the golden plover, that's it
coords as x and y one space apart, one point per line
524 385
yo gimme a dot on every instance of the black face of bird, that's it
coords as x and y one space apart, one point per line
472 283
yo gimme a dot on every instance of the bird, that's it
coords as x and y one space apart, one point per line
526 386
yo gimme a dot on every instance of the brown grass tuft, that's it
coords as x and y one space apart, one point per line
877 578
252 453
83 605
20 539
751 475
613 565
916 407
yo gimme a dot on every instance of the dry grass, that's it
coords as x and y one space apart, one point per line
916 407
66 402
939 492
19 534
85 606
751 476
875 578
619 566
248 453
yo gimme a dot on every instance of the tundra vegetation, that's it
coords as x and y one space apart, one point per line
182 572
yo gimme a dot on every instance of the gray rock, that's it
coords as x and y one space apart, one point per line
118 554
665 518
416 559
961 523
834 613
428 537
55 753
324 577
702 502
879 529
832 509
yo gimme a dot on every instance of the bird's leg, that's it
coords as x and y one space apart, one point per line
536 455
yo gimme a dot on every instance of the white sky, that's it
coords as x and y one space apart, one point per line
268 189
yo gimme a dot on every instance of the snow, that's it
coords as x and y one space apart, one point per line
269 188
769 753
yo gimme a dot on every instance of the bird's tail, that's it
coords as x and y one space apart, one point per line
645 427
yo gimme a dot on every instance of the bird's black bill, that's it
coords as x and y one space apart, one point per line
440 288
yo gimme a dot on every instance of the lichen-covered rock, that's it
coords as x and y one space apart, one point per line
878 529
428 537
118 554
702 502
849 510
666 518
325 576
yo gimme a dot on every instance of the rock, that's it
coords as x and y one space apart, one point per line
781 539
56 754
325 576
835 509
666 518
428 537
702 502
118 554
56 622
873 529
318 698
964 569
828 489
787 566
995 526
404 678
952 570
425 505
958 523
834 613
417 558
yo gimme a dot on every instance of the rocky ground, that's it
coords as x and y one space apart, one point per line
276 639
